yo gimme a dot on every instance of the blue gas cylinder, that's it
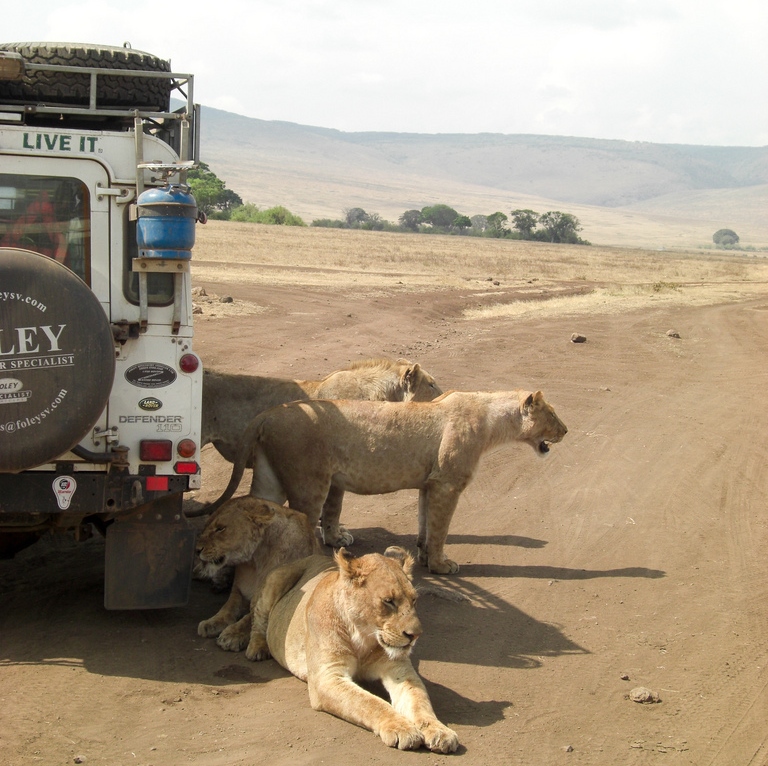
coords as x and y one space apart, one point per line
166 222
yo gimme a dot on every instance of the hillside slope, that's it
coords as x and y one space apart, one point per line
625 193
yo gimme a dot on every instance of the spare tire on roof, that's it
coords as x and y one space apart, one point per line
72 89
57 359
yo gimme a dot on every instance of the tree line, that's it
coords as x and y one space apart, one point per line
552 226
216 201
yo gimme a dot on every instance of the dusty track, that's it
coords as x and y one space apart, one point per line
637 548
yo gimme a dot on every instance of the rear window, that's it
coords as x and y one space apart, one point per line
48 215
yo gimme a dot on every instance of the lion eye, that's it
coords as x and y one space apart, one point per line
390 603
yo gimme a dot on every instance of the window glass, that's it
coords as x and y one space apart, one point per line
48 215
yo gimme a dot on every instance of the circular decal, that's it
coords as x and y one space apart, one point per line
150 375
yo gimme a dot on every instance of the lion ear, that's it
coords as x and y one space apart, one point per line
345 562
533 400
401 555
412 373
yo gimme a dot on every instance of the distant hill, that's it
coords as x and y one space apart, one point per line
627 193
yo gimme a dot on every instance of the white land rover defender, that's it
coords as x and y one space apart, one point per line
100 388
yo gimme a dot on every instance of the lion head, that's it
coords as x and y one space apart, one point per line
418 384
234 532
379 599
541 426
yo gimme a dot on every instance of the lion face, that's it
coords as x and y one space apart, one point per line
420 386
541 425
233 533
381 601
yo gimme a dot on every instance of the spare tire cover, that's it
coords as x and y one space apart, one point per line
57 359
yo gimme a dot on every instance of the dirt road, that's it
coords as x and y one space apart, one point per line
634 555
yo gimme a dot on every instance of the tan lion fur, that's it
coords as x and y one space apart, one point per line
231 401
334 624
310 453
254 536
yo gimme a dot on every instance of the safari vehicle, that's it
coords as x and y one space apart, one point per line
100 388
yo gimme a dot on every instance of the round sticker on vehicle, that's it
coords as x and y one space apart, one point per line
150 375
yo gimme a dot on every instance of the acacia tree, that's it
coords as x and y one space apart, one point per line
461 222
211 193
559 227
410 220
441 216
497 224
525 222
725 238
354 216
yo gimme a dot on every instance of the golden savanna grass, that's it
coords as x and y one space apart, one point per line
368 262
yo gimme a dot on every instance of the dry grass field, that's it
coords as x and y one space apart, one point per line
632 556
602 278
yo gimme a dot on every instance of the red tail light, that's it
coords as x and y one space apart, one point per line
156 450
189 363
186 466
186 448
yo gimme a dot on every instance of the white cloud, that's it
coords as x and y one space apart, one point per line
687 71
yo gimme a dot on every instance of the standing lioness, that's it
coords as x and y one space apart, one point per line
311 452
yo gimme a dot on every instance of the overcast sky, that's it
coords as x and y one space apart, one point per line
666 71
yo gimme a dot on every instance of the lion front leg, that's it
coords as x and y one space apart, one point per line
235 637
337 694
230 613
409 698
440 503
333 533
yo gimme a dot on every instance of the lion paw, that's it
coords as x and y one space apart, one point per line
446 566
439 738
211 628
233 638
257 649
402 735
338 538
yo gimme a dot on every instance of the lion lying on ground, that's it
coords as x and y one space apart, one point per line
254 536
355 621
310 453
230 401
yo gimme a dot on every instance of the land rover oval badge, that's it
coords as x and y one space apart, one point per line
150 375
150 404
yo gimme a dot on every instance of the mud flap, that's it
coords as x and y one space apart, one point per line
149 556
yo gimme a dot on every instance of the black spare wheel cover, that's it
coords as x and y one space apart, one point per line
57 359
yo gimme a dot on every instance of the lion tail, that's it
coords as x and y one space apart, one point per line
246 451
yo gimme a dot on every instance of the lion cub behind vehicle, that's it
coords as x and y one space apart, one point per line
254 536
310 453
332 625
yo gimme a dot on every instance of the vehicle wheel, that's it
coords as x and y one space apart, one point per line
73 89
57 360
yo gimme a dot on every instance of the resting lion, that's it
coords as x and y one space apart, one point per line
311 452
355 621
255 536
231 401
